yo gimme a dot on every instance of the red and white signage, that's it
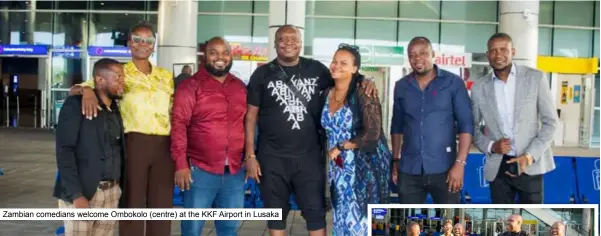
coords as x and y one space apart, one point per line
453 60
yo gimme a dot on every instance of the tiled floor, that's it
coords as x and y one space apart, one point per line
28 161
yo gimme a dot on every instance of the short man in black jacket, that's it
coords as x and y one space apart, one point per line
90 152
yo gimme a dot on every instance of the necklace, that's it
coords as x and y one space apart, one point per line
337 100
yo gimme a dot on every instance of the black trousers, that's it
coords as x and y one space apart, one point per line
305 177
528 188
412 189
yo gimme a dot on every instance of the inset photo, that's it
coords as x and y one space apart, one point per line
484 220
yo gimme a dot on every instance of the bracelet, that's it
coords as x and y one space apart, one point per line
462 162
340 146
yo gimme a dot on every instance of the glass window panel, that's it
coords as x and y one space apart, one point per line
377 8
596 44
545 13
153 5
331 8
112 29
119 5
377 32
322 36
409 30
26 28
465 37
470 10
260 29
69 29
44 5
153 19
575 13
232 28
544 41
261 6
15 5
71 5
572 43
225 6
420 9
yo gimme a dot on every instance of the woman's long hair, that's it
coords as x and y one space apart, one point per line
356 77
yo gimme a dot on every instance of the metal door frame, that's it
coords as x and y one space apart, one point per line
49 101
90 60
42 90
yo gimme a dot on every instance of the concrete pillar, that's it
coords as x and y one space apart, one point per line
586 220
30 23
285 13
177 45
462 216
519 19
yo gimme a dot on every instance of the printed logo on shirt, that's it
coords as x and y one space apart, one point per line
293 107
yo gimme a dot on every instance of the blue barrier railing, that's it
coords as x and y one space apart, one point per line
579 178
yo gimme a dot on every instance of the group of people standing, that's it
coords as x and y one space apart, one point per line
128 135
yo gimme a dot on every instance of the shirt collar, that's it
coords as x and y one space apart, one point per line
511 72
130 66
103 106
438 71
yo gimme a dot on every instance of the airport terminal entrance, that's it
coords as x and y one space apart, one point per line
21 90
36 80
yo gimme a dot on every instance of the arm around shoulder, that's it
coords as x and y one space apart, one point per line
371 112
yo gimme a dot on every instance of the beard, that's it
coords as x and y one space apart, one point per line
217 72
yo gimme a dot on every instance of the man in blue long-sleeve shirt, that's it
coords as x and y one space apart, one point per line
431 106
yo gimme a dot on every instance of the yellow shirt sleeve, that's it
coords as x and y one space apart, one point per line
88 83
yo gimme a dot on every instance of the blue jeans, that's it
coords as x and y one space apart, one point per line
208 190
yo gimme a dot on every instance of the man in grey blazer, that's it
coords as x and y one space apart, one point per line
514 119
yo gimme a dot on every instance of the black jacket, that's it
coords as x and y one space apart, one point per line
80 150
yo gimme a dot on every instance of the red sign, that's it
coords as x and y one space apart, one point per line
249 51
244 51
461 60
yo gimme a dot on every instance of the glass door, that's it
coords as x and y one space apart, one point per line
66 68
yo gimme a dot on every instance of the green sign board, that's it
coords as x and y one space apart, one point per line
382 55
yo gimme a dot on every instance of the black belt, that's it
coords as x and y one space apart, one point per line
104 185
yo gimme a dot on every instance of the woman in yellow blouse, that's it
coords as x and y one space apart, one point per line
146 109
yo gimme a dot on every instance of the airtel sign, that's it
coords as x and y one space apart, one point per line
456 60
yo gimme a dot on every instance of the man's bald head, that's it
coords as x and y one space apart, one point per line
558 229
288 43
217 41
458 229
287 29
514 223
218 56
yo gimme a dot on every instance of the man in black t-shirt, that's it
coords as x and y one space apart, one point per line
284 99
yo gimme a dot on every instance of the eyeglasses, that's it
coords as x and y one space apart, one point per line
140 39
348 46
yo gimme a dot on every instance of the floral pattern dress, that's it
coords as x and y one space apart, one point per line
363 177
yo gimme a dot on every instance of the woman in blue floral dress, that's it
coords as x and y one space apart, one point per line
359 166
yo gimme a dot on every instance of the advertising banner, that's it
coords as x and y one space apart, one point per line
30 50
249 51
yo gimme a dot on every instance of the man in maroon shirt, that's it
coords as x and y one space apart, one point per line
207 138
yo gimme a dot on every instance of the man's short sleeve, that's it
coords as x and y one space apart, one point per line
255 86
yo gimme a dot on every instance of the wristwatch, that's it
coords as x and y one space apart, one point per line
340 146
